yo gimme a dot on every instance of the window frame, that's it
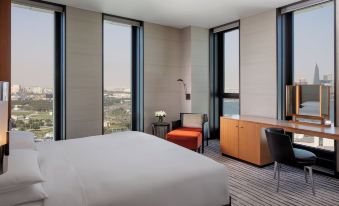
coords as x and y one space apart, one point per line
285 72
137 70
217 93
59 95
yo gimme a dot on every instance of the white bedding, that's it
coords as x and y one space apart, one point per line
127 169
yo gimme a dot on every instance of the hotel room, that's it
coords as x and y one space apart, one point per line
171 103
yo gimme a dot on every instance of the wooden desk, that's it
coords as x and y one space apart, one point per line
243 137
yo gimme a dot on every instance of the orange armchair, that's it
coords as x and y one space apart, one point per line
190 131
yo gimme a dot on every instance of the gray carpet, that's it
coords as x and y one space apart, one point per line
250 185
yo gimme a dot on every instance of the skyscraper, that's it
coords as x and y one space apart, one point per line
316 78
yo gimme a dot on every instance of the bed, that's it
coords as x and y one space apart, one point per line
127 169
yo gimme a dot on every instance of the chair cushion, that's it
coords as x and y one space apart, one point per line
185 138
190 129
192 120
304 156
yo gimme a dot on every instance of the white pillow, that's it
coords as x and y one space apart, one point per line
21 140
192 120
27 194
23 170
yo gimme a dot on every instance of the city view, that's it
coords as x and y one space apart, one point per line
32 110
117 110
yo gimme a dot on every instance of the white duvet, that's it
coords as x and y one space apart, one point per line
127 169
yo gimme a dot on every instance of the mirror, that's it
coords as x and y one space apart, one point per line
308 101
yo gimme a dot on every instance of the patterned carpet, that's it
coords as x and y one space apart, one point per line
250 185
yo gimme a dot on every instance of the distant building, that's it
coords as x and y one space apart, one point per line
122 95
316 77
15 88
328 77
37 90
302 81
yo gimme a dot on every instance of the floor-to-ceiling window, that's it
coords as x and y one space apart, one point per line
224 74
313 58
34 65
117 77
121 75
231 73
306 45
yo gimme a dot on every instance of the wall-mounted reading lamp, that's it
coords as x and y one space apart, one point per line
4 141
187 95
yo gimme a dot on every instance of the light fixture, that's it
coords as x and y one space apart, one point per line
187 95
4 141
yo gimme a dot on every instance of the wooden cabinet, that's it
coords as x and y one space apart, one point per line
243 140
229 137
249 142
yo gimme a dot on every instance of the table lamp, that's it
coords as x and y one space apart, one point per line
4 141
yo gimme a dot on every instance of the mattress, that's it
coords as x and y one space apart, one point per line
127 169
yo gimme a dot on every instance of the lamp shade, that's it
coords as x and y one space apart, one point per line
4 96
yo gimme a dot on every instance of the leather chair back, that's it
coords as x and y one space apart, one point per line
280 146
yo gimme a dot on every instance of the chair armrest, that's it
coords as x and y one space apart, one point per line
176 124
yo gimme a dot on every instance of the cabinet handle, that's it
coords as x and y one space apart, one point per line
237 126
241 127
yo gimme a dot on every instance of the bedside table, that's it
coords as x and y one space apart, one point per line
160 129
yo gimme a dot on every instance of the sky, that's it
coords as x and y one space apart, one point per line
231 60
314 42
117 55
32 47
33 50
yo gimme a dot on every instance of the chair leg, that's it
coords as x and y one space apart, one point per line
305 172
275 169
311 179
207 141
279 167
202 148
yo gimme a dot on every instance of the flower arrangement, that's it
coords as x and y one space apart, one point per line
160 115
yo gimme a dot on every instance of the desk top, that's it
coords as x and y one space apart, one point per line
319 131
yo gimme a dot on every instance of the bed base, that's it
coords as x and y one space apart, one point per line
229 203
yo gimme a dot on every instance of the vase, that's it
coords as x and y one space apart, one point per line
160 119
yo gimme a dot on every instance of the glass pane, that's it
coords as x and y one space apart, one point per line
33 71
231 107
314 59
231 61
321 143
117 77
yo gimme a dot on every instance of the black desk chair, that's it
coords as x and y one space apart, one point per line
282 151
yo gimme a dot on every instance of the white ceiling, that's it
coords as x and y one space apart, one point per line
179 13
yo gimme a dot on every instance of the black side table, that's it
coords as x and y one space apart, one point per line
160 129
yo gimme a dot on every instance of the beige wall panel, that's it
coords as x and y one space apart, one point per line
258 64
83 73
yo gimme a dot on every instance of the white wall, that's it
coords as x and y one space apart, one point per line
170 54
83 73
163 57
258 65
